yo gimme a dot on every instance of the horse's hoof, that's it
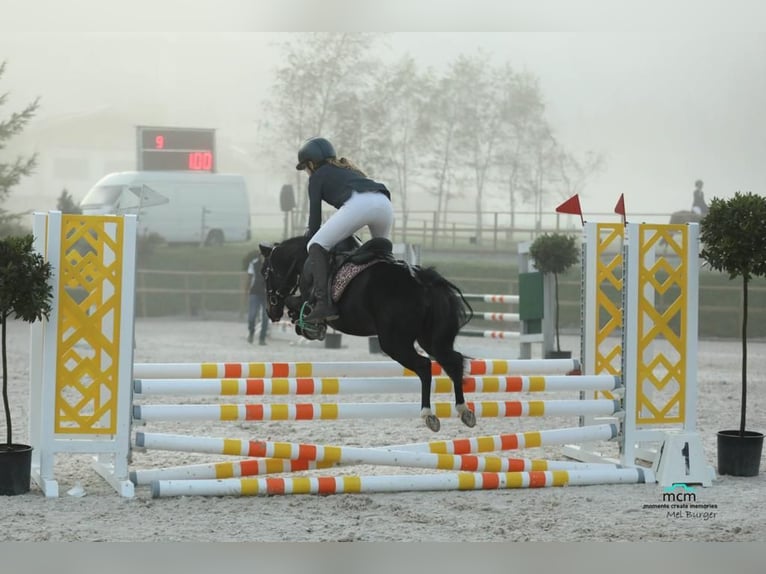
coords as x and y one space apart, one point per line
432 422
468 418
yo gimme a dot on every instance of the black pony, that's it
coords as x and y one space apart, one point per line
398 303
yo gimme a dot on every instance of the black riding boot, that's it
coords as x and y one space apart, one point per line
323 310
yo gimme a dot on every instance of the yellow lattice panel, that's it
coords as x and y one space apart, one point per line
88 325
661 330
608 301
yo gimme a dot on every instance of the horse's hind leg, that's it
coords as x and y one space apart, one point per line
404 353
452 363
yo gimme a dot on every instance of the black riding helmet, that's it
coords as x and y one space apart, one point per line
316 150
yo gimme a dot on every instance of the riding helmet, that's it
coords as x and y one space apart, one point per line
315 150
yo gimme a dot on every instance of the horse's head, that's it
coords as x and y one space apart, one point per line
280 271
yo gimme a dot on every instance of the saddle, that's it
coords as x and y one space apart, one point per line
347 259
346 265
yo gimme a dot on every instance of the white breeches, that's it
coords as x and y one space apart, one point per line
371 209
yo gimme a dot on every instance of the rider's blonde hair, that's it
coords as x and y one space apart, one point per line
345 163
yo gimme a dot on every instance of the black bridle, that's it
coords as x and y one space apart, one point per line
277 296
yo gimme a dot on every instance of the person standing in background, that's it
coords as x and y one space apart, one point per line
256 297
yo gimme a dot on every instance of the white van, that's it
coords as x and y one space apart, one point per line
181 207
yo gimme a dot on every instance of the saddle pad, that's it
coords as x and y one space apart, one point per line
344 275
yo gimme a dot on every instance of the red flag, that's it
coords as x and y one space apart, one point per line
620 207
571 205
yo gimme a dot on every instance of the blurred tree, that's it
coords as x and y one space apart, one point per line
486 123
11 172
66 204
574 173
443 152
396 129
523 117
317 91
539 171
479 123
473 130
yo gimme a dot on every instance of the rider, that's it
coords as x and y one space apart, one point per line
698 204
359 200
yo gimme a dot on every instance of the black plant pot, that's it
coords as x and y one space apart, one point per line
558 355
739 455
332 341
15 469
374 345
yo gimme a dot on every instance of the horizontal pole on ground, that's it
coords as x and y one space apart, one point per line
264 466
227 469
400 483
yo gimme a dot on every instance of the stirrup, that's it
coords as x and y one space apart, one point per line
311 331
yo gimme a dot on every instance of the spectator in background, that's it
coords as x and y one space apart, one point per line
698 204
256 294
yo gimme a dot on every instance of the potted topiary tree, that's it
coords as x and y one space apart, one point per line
26 294
733 235
555 253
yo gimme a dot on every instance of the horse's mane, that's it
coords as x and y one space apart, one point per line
294 247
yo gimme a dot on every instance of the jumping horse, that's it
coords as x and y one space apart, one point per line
399 303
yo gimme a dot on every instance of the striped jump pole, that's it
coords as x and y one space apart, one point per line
506 317
514 441
228 469
472 367
347 455
491 334
368 385
506 299
261 466
494 316
343 411
482 444
400 483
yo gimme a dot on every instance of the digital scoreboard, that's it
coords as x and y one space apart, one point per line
175 149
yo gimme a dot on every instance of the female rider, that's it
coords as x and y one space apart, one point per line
359 200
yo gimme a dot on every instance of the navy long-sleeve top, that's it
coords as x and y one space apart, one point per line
334 185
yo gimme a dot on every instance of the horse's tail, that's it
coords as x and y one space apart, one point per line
448 310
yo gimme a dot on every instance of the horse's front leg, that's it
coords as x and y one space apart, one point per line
431 420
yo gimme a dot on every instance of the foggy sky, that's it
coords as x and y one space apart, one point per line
666 100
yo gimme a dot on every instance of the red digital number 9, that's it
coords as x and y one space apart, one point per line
159 142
